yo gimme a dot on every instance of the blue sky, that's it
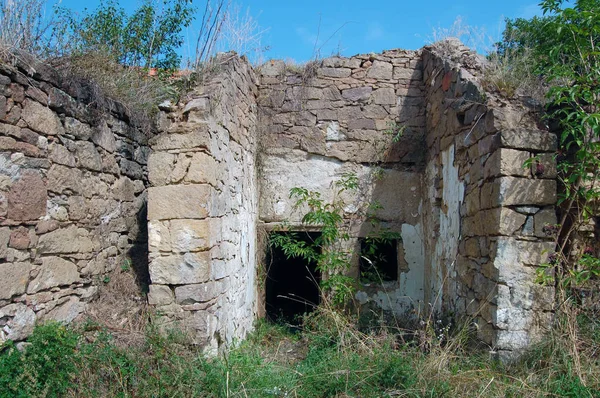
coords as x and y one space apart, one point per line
291 28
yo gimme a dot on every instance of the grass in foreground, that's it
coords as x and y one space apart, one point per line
329 358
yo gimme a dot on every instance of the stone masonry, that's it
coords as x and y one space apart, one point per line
72 192
203 208
471 218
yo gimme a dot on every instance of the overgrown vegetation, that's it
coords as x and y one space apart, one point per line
330 357
132 57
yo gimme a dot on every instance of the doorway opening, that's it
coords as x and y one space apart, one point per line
292 285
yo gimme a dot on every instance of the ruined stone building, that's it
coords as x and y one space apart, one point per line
80 190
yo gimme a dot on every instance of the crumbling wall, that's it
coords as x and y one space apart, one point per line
72 195
338 116
485 212
203 208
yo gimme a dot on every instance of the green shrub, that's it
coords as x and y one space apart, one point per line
45 368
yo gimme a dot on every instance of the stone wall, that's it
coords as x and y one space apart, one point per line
485 212
72 183
203 208
340 116
452 185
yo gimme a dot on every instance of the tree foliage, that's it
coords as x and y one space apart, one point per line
565 52
148 37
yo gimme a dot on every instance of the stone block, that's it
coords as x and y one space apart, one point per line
514 254
506 162
19 239
544 166
88 156
67 311
179 201
14 279
203 169
124 190
4 240
199 138
131 169
160 165
27 197
41 118
357 94
20 322
529 140
191 235
66 240
502 221
380 70
103 136
160 295
77 129
334 72
63 179
53 272
385 96
407 73
541 219
61 155
190 294
514 191
183 269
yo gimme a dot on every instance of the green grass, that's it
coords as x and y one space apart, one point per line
329 358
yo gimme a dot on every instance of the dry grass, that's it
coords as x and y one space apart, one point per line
121 308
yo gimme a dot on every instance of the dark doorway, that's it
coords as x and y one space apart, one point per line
292 286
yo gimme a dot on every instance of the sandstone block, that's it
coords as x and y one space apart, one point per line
179 201
190 294
66 240
334 72
78 129
541 219
197 139
62 179
159 236
66 312
506 162
14 279
41 118
160 165
380 70
513 191
53 272
357 94
19 239
88 156
160 295
384 96
191 235
183 269
103 136
20 323
27 197
530 140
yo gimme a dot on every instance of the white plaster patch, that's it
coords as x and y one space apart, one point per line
446 245
333 132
